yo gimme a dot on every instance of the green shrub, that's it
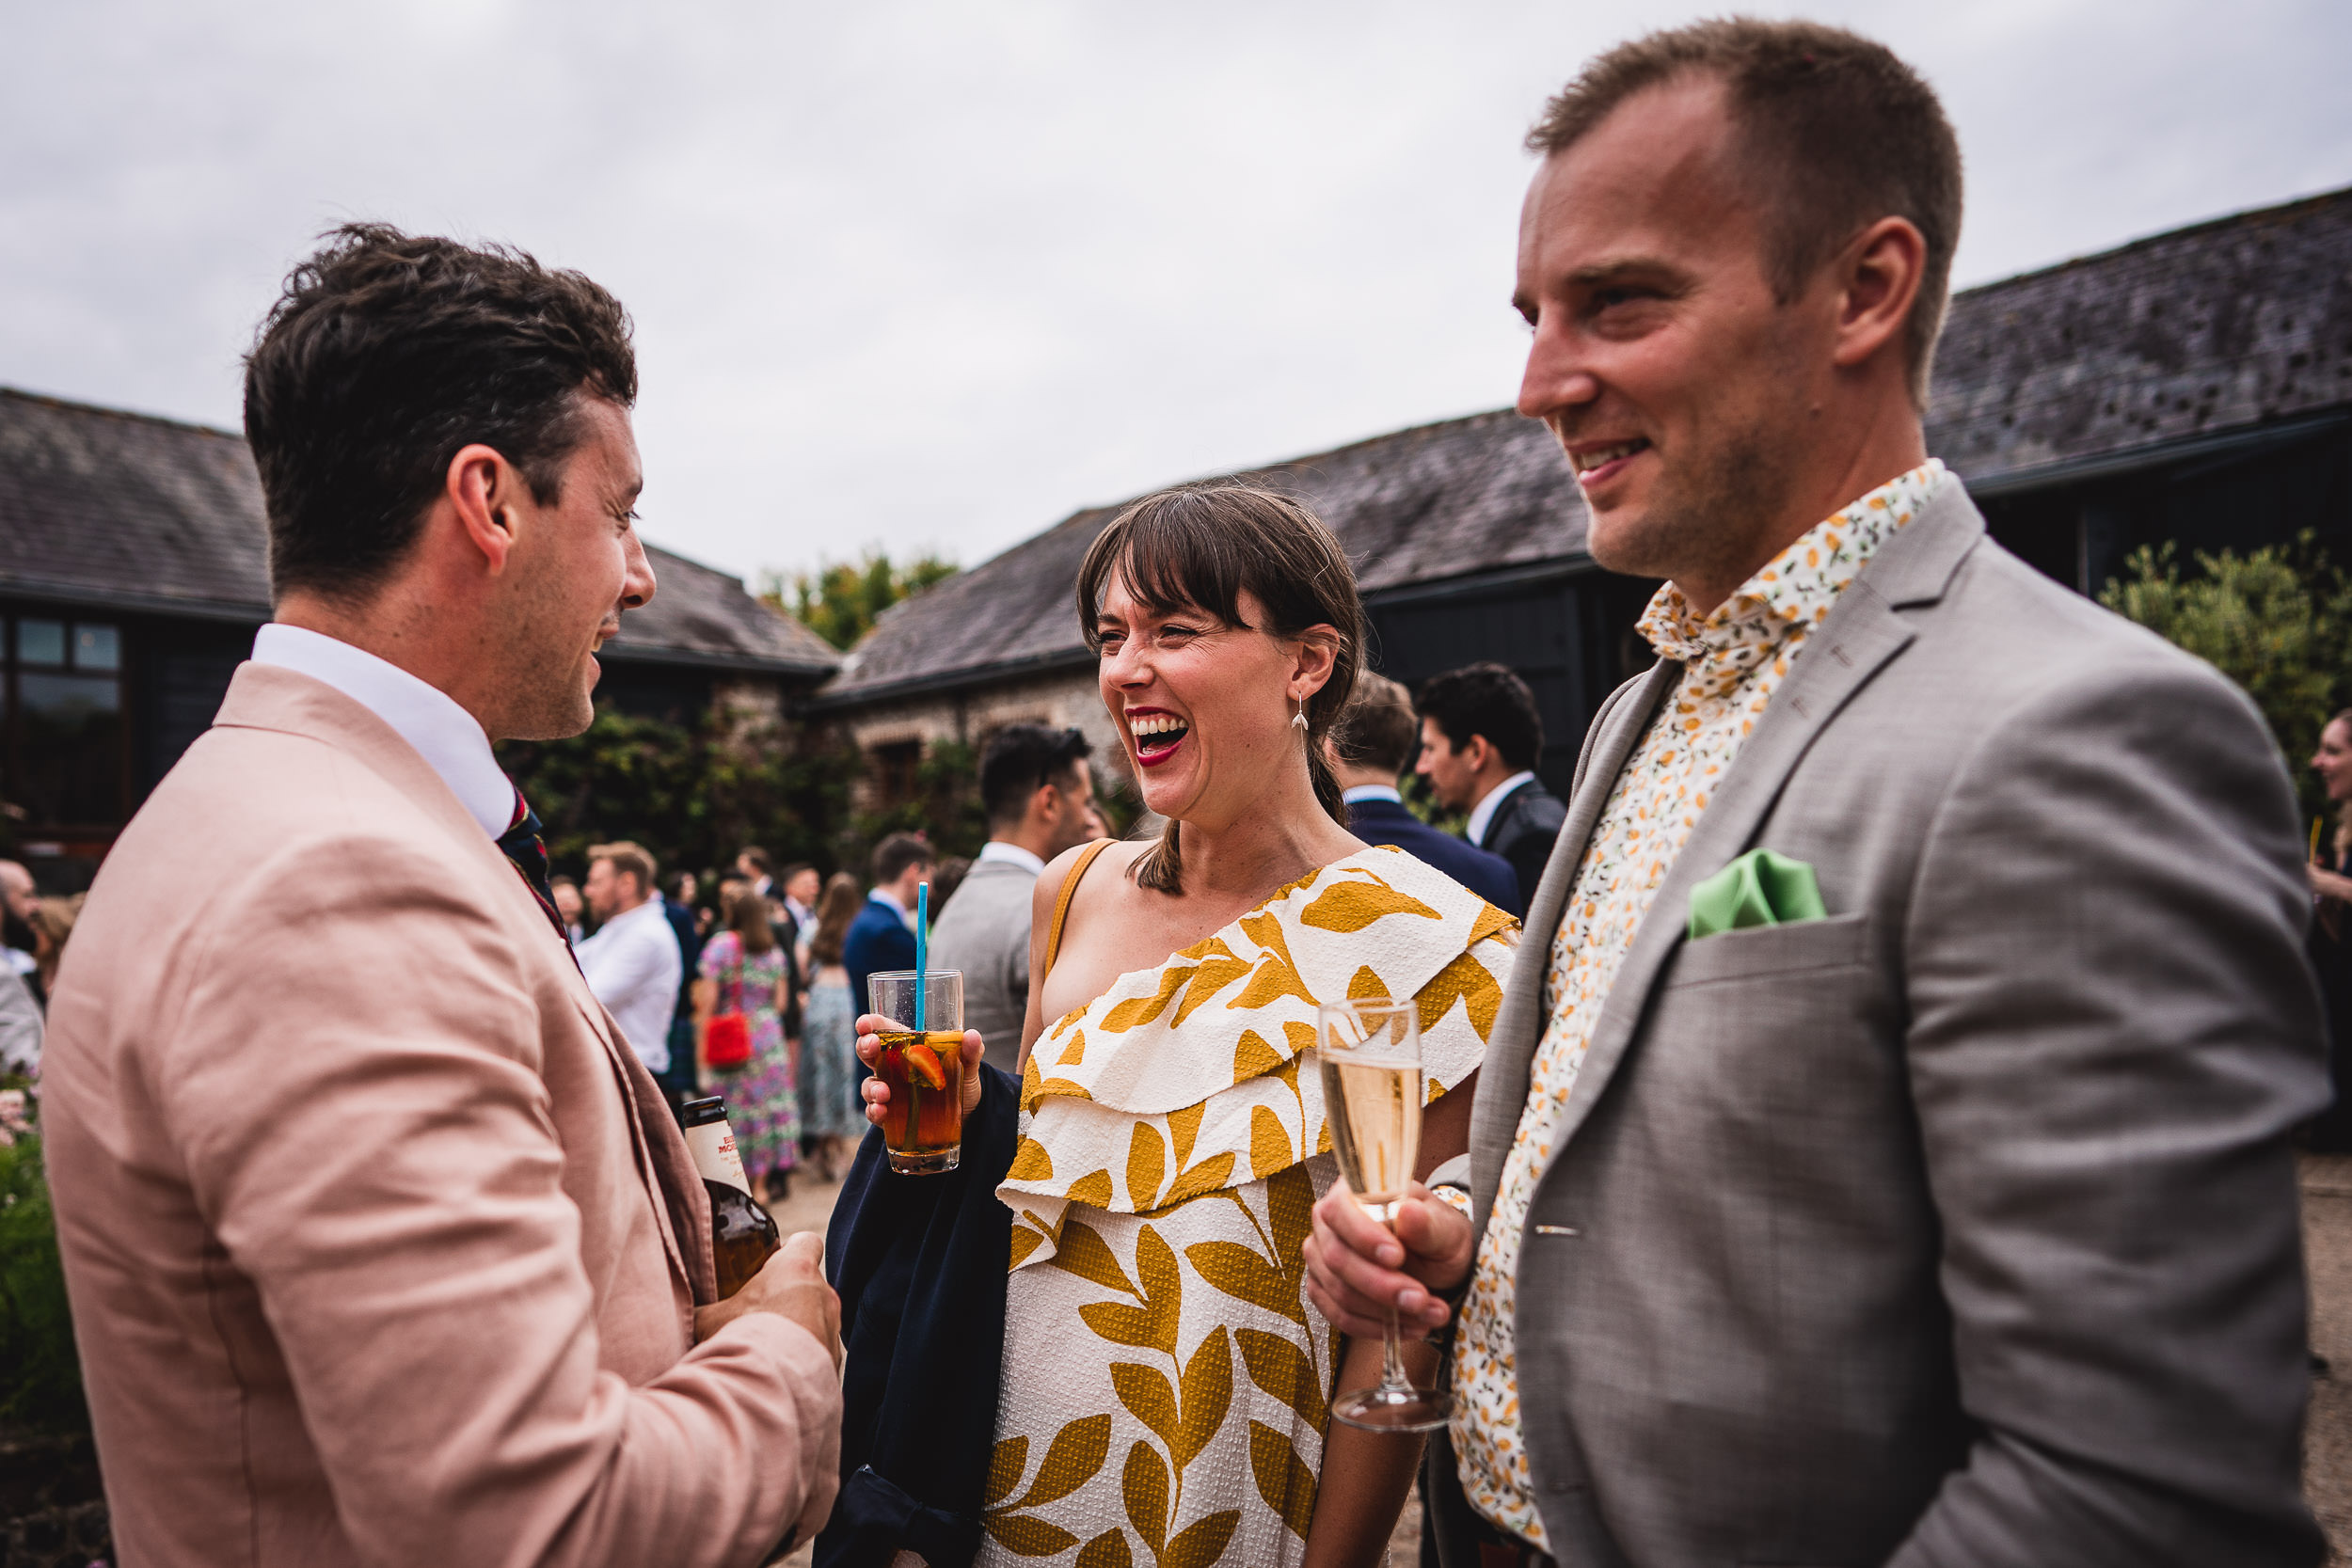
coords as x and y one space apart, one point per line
2277 622
41 1380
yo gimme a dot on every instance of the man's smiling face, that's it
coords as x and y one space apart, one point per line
1669 373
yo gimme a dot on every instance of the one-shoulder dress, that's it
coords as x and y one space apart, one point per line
1165 1382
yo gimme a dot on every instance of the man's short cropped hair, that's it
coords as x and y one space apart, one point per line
388 353
894 854
758 857
628 859
1376 728
1489 700
1022 759
1837 131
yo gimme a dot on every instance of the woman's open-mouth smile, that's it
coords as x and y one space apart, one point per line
1157 734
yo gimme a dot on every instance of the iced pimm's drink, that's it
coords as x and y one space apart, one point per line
923 1124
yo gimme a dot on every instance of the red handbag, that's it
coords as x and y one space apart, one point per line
727 1040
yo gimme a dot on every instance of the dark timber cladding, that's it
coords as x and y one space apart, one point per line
134 569
2194 387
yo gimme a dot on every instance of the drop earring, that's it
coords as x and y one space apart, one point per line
1298 720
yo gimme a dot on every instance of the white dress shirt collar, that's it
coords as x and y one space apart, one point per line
444 734
1371 792
1483 813
890 900
1011 854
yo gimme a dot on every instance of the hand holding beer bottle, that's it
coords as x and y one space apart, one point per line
755 1272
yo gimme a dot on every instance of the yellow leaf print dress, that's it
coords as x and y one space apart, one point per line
1165 1380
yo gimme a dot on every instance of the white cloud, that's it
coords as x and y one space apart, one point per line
933 273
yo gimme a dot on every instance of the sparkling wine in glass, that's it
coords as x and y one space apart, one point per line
1372 1098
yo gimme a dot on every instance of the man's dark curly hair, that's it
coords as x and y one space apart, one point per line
1489 700
386 355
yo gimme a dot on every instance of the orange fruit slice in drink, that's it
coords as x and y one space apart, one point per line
923 1067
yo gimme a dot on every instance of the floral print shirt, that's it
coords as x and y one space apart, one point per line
1733 661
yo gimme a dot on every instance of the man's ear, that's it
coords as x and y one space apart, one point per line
1476 752
481 490
1879 275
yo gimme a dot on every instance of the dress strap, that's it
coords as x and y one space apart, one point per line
1061 904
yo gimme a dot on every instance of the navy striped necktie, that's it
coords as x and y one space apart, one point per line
523 845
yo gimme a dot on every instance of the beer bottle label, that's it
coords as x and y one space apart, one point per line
712 1144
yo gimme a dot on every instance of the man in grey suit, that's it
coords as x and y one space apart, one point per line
1882 1153
1039 795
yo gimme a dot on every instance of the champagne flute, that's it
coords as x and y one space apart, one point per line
1371 1099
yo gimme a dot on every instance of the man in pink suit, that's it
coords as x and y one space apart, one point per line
382 1246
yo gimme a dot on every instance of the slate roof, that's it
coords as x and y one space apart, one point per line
2240 322
141 513
2243 320
1476 494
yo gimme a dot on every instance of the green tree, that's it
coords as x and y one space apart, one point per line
839 600
41 1376
693 797
2277 622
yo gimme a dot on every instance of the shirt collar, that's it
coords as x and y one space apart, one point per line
890 900
1371 792
1795 589
1011 854
653 905
443 733
1483 813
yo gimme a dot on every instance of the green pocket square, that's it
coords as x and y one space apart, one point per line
1761 888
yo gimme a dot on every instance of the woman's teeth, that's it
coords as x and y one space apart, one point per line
1158 731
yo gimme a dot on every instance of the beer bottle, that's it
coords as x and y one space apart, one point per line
743 1236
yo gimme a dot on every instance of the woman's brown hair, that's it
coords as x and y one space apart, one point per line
836 912
1202 547
747 917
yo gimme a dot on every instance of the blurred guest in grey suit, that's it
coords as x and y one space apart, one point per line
1881 1151
1039 795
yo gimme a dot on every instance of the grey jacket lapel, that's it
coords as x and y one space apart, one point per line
1502 1078
1860 635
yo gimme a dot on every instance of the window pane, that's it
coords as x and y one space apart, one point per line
69 743
96 647
41 642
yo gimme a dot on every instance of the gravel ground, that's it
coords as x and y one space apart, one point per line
2328 1435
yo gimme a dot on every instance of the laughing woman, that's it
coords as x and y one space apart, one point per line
1165 1381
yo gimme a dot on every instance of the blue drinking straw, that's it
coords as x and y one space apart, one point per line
922 947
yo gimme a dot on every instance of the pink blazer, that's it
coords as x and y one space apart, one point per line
382 1246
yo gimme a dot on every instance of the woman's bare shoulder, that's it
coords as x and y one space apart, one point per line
1109 868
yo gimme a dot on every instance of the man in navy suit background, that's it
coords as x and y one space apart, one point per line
1373 742
882 935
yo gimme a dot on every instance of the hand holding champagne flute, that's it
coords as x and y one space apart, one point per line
1372 1095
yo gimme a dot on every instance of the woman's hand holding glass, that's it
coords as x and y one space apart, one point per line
869 1050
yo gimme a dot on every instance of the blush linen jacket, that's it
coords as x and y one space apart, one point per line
381 1244
1957 1229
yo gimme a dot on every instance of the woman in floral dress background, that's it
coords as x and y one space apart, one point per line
745 969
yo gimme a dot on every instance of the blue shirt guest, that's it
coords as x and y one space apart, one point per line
1480 740
1371 743
882 936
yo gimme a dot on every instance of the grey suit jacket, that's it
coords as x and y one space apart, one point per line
984 931
1958 1227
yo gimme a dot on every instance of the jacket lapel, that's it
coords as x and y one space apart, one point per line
268 697
1502 1078
1860 635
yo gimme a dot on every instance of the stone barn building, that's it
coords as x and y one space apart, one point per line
133 573
2194 387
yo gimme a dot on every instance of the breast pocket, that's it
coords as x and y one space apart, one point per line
1800 947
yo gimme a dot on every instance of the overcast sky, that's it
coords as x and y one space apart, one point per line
920 274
